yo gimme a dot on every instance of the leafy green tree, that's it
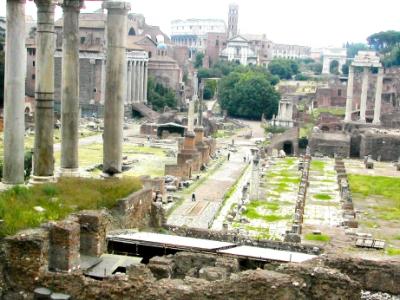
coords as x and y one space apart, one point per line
353 48
209 89
199 60
345 68
159 96
316 68
384 41
393 58
284 68
248 95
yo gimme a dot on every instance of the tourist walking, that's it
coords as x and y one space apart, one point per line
229 156
193 197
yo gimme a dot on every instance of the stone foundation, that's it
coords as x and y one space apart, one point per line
329 144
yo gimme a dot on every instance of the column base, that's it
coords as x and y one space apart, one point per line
6 186
108 176
376 122
41 179
66 172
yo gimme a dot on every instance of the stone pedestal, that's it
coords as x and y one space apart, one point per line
349 100
378 98
201 146
43 162
14 93
364 94
115 85
70 89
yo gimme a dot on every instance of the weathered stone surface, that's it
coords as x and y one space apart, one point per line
212 273
184 261
161 266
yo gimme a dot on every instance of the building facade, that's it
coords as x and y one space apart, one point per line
291 51
192 33
238 49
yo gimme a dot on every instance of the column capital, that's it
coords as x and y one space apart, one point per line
121 6
74 4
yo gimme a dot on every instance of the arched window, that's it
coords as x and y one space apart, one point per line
132 31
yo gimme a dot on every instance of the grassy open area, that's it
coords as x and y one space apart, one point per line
336 111
317 165
253 208
322 197
317 237
17 205
386 187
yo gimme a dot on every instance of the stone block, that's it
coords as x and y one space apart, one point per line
93 230
161 266
184 261
212 273
64 246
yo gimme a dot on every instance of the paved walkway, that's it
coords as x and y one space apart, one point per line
209 195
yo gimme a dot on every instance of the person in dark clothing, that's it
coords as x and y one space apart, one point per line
229 156
193 197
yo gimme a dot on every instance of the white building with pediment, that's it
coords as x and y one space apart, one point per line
238 49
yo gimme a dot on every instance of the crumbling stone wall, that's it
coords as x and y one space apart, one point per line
330 144
133 211
385 146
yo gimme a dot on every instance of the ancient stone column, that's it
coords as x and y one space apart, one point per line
14 93
378 98
129 81
133 80
364 94
70 89
146 70
137 80
141 82
115 85
349 100
43 166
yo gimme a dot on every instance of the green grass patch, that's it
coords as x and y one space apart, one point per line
252 213
336 111
317 237
317 165
387 187
392 251
322 196
59 199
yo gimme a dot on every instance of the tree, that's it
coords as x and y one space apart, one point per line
345 68
209 89
284 68
316 68
159 96
384 41
199 60
248 95
353 48
393 58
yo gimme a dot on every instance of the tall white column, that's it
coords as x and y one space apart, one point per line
378 98
103 81
70 89
43 166
14 93
146 70
141 82
137 80
128 83
349 100
133 80
364 94
115 85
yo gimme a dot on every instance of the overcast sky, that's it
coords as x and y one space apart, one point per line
315 23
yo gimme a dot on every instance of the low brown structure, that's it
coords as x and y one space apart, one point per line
330 144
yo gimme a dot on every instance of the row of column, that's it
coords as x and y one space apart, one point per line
115 88
137 81
364 94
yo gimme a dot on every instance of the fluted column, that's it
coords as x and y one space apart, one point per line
141 82
378 98
146 71
364 94
14 93
128 83
115 85
70 88
133 82
43 167
349 100
137 81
